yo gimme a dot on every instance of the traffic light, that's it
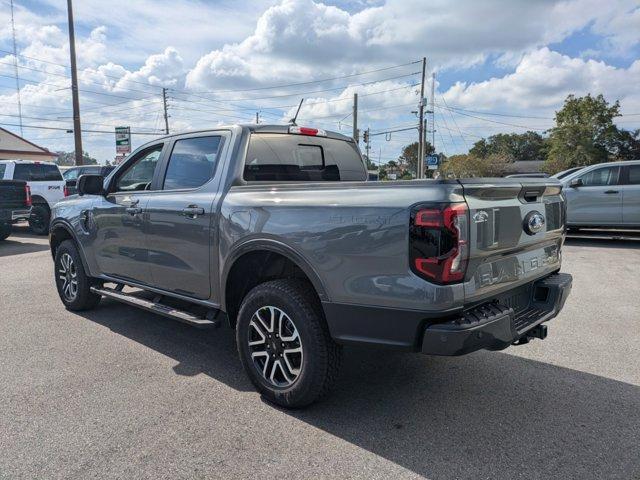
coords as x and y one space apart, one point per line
366 136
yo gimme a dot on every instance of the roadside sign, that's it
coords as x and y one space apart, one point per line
123 140
432 162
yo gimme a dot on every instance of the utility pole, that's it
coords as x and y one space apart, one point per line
424 141
166 114
420 166
257 117
367 142
356 135
17 71
77 130
433 112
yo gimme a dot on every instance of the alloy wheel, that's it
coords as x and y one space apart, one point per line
275 346
68 274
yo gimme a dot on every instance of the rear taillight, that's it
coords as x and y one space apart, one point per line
439 236
27 191
66 191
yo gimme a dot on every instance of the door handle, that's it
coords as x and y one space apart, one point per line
610 192
192 211
133 210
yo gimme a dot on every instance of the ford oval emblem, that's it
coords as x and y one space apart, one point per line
533 222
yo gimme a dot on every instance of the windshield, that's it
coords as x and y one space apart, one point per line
566 173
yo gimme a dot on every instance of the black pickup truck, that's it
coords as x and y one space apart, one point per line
15 201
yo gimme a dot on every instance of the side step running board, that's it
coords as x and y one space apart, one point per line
155 307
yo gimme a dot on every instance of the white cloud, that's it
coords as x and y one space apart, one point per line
303 39
544 78
164 43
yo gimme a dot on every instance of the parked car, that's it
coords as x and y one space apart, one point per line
277 230
15 202
604 195
46 184
71 174
566 173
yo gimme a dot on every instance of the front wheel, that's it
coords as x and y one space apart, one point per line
72 282
284 343
5 230
39 219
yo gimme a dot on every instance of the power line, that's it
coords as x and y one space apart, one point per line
61 121
42 127
495 121
311 91
311 81
456 124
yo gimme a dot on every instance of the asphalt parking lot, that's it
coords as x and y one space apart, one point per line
121 393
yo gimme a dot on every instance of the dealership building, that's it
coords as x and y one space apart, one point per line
14 147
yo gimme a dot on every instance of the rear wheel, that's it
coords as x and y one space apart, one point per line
5 230
284 343
39 219
72 282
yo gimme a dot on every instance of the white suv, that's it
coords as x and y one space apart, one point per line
46 184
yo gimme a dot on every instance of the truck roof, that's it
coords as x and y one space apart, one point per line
257 128
17 160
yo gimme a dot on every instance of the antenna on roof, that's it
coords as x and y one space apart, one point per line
293 120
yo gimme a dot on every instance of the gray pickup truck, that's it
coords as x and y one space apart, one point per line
276 230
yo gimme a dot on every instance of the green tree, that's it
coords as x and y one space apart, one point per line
369 163
584 133
515 147
409 154
627 145
461 166
68 159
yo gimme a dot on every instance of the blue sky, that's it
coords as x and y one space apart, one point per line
223 61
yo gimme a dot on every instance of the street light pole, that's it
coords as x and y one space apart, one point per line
421 146
77 131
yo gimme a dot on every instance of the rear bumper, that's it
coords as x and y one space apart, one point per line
496 325
21 214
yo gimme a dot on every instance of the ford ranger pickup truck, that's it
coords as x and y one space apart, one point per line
276 230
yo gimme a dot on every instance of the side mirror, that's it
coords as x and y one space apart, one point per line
575 183
90 185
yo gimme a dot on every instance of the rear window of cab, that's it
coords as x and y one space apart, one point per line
274 157
37 172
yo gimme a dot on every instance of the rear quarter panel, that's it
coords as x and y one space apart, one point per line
353 235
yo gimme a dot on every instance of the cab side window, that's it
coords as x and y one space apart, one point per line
633 172
139 174
601 177
192 162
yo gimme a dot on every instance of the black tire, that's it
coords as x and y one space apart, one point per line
80 297
320 356
39 219
5 231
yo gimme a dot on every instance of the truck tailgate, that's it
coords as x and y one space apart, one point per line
13 194
515 234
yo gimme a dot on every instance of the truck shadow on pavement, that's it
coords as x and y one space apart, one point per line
22 241
604 239
486 415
